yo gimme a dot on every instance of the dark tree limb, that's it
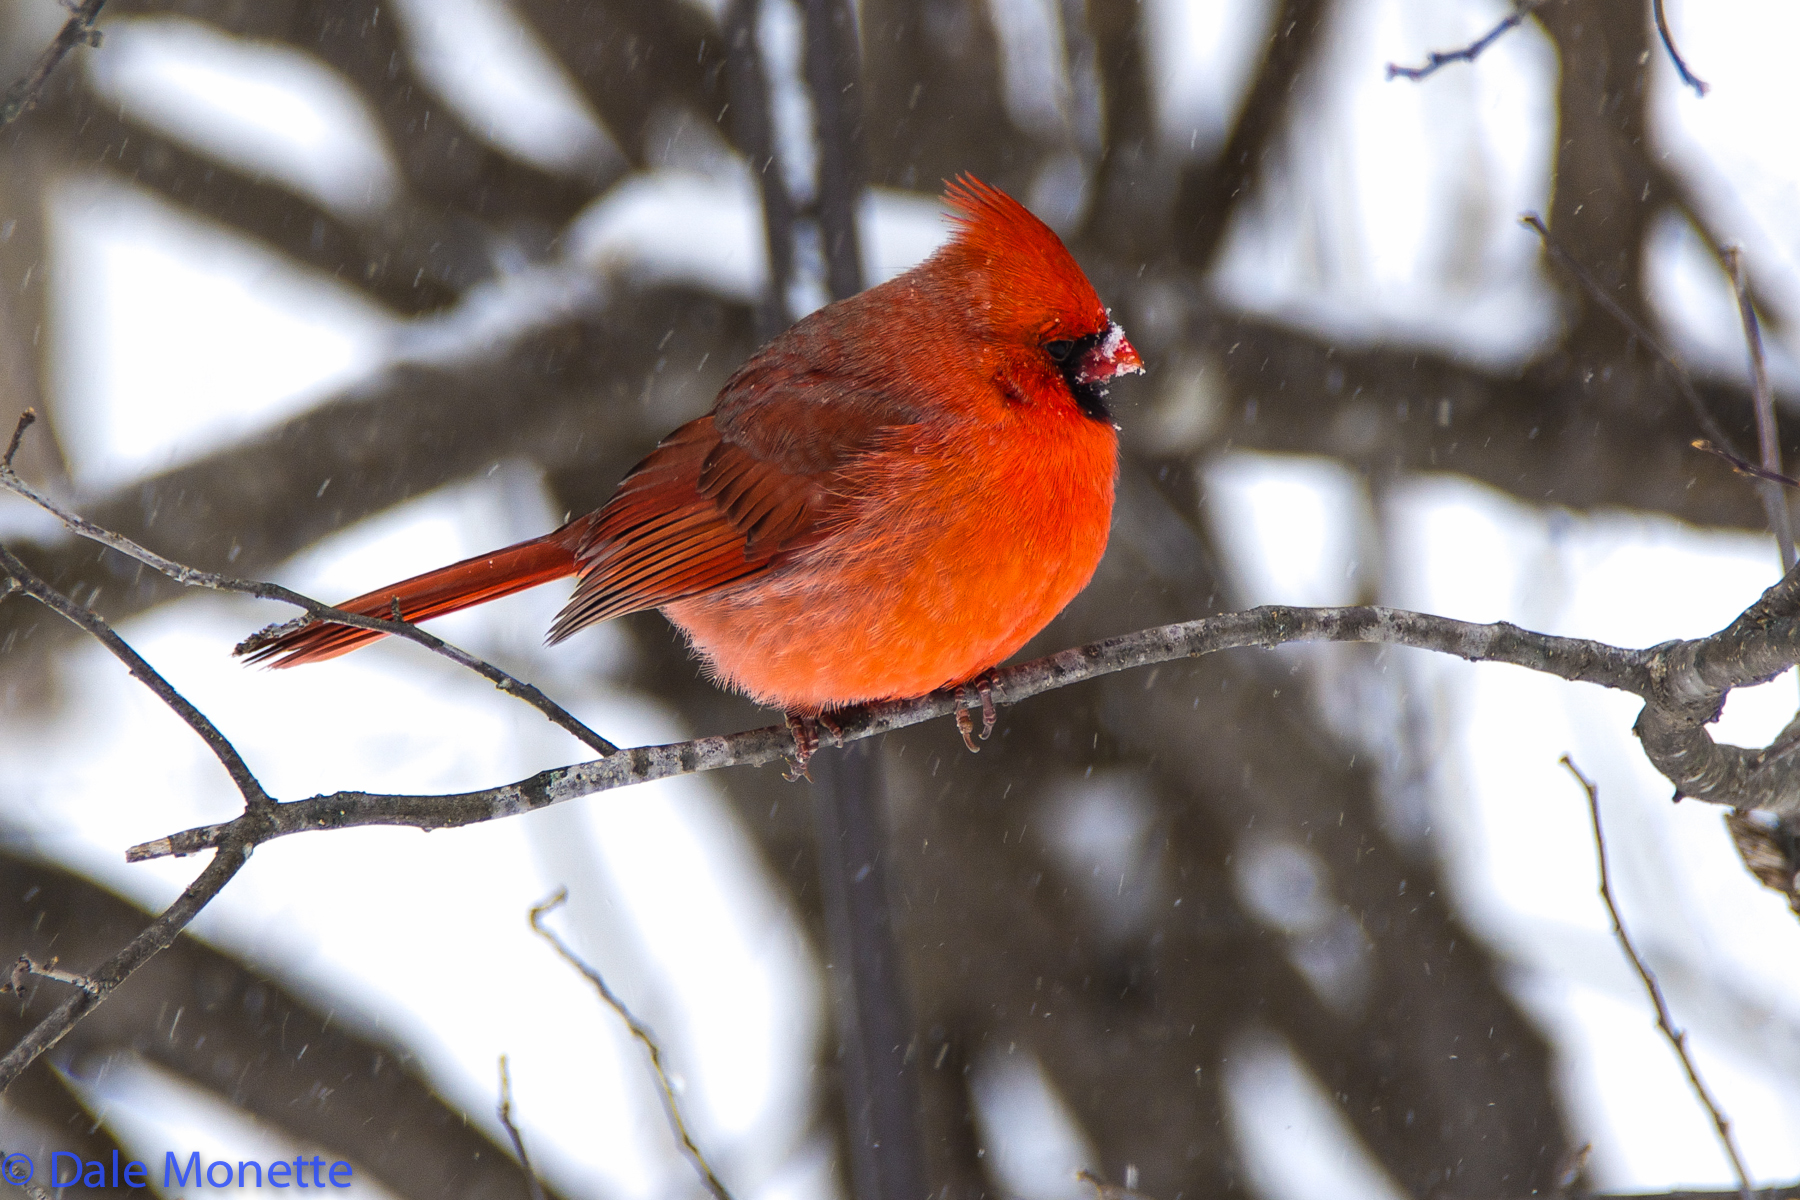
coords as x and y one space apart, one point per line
1125 216
446 164
1599 295
753 132
408 259
1208 193
632 60
834 83
872 1004
586 387
1602 175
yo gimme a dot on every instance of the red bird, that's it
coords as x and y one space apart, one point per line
890 498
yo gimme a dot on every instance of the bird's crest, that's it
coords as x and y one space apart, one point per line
1023 261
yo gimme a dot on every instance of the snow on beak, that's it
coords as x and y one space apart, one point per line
1110 357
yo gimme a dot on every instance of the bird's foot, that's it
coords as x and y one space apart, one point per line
805 728
806 740
983 686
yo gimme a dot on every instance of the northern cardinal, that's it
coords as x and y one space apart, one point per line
890 498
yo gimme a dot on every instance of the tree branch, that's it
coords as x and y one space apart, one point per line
689 1149
233 852
193 1007
1635 671
584 387
512 1131
1668 40
1768 439
78 30
27 581
1468 53
1664 1021
315 611
1598 294
1208 193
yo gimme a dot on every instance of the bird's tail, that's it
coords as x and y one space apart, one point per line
445 590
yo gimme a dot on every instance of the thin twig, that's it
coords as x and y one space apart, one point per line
1767 437
642 1034
1745 467
26 419
1592 287
192 577
24 967
78 30
1469 53
1668 40
512 1131
1676 1037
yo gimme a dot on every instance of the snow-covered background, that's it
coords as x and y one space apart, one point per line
174 338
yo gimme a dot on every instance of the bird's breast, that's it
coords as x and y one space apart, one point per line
951 548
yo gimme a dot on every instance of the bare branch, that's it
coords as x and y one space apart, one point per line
78 30
1642 672
272 591
18 435
1598 294
639 1031
1780 519
87 619
1745 467
25 967
1468 53
232 851
512 1131
1677 1038
232 854
1668 40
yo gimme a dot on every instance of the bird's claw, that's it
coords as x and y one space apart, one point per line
965 725
805 728
806 740
983 687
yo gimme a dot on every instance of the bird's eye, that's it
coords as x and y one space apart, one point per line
1059 350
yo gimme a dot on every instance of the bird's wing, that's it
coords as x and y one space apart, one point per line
724 497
